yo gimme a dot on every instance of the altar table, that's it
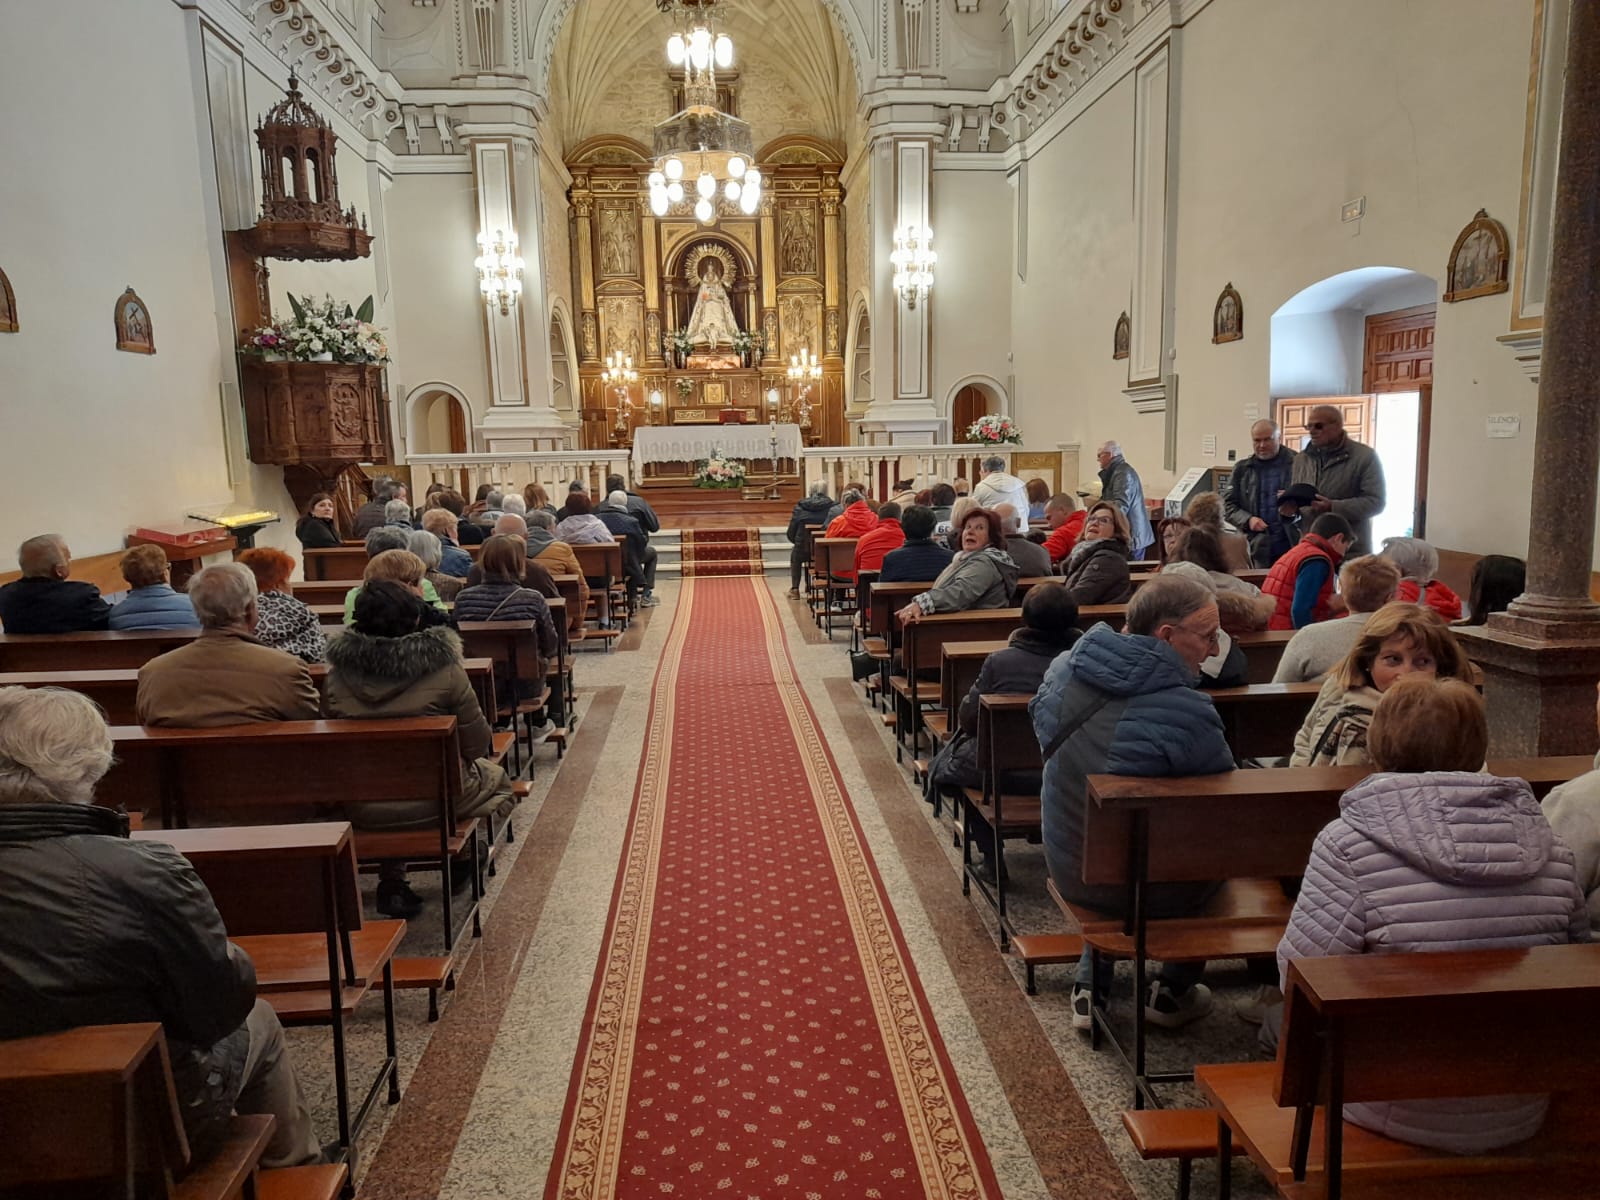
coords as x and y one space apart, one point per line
691 443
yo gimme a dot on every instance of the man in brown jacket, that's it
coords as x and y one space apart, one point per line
225 676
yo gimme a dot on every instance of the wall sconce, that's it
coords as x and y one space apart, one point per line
499 270
913 260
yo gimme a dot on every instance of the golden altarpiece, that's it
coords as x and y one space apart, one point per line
639 276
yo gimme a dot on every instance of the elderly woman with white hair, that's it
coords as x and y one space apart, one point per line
430 550
96 929
1419 563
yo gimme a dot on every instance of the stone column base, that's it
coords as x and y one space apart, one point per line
1540 691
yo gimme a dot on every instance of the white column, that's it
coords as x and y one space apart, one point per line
506 174
1154 221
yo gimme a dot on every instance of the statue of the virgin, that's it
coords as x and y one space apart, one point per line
712 322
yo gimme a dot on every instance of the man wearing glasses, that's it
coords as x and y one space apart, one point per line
1346 475
1251 498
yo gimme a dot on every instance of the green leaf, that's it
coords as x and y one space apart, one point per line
364 313
299 309
349 313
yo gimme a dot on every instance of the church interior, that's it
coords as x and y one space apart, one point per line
706 296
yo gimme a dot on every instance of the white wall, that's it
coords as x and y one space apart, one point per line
101 190
1317 353
972 232
1286 110
438 308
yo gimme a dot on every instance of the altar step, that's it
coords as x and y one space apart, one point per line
774 549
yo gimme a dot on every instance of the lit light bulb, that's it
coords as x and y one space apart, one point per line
704 211
658 201
736 167
675 192
731 191
675 49
674 168
700 48
749 201
706 186
724 50
657 179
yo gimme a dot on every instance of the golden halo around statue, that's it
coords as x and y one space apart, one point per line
693 261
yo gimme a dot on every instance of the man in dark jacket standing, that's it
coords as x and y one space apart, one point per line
919 559
44 600
96 929
1125 704
638 507
638 555
809 515
1346 476
1250 501
1120 485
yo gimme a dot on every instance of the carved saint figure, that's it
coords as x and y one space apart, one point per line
712 322
616 244
799 242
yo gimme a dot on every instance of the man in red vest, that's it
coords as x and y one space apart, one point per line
1301 582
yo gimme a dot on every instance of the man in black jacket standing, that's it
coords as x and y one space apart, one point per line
809 515
44 600
1250 501
638 555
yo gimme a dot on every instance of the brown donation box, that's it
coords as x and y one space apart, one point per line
314 413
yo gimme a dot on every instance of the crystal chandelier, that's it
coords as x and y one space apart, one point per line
499 270
913 260
703 156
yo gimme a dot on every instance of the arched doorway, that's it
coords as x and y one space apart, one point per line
1362 341
970 399
438 421
860 359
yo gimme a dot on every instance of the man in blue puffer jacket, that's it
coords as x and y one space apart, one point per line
1126 704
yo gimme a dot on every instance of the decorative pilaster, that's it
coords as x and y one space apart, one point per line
588 323
1151 324
832 256
648 258
1542 657
769 277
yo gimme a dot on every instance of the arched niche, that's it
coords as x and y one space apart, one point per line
973 397
858 354
680 283
438 420
563 360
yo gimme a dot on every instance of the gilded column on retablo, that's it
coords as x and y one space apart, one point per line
832 257
583 212
650 261
769 275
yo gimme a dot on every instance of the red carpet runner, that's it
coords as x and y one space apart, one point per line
756 1028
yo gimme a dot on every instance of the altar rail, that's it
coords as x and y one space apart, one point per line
555 469
880 467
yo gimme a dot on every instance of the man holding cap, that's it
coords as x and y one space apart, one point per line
1345 477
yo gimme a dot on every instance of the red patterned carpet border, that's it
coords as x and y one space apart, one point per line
756 1028
702 538
721 552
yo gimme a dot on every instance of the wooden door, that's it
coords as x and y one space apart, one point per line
1398 354
970 403
1356 412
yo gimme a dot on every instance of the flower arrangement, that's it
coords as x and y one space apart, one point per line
744 341
685 388
994 430
719 472
321 332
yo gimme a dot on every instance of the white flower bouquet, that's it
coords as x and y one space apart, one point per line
719 472
322 332
994 430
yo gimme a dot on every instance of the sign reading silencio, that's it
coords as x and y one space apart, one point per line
1503 425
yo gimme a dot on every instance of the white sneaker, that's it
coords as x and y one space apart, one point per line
1261 1001
1171 1011
1082 1010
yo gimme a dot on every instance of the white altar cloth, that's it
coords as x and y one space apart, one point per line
691 443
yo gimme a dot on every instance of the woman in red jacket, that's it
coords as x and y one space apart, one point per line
1419 563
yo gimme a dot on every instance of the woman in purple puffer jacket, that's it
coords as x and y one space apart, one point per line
1429 853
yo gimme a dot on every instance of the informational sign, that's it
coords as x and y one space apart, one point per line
1183 491
1503 425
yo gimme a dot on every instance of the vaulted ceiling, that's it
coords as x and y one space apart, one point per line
609 74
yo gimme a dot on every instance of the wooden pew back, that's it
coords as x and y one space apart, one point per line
336 564
284 771
100 650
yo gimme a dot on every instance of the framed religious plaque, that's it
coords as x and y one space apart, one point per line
713 392
1478 260
1120 337
132 318
1227 322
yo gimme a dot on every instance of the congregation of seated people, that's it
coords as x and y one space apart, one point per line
1424 848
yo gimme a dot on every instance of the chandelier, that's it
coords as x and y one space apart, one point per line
499 270
804 371
913 261
701 148
620 374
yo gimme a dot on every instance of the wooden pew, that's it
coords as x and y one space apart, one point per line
314 592
1261 720
94 651
116 691
288 897
602 567
1263 650
1247 828
93 1111
1380 1027
297 771
922 645
832 558
513 648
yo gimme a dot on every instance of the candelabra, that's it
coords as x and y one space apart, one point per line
499 270
805 369
913 260
619 373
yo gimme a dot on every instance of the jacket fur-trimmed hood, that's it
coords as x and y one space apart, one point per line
375 668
